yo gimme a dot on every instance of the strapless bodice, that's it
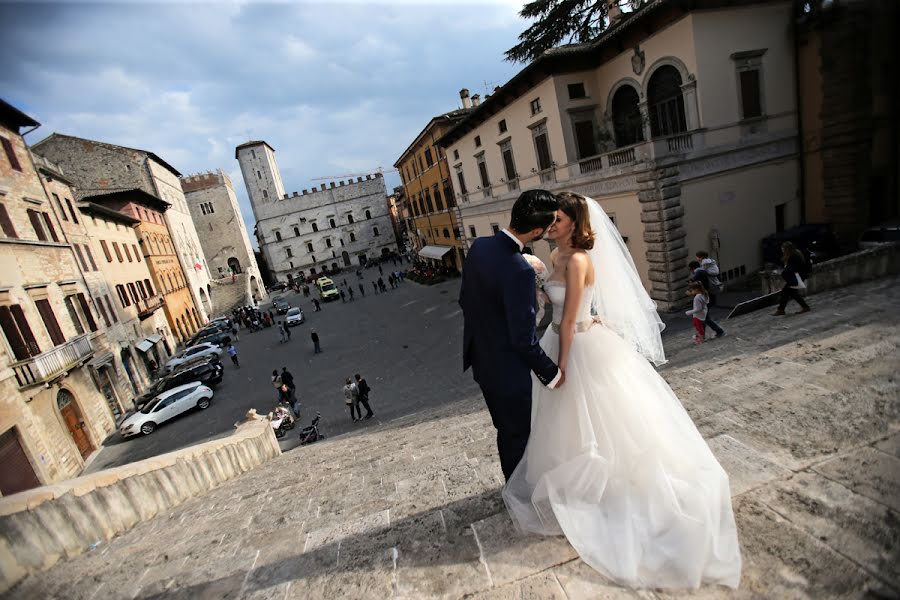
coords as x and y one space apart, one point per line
556 291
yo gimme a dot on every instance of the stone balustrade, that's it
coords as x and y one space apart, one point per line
47 365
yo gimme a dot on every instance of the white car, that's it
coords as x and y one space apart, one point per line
294 317
167 405
193 353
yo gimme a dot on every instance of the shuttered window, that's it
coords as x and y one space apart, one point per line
35 219
86 310
62 211
49 223
72 210
112 311
90 255
18 332
750 94
117 251
73 314
127 252
6 223
10 154
137 253
50 322
543 151
98 302
106 250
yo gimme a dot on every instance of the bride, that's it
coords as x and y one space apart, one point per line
614 462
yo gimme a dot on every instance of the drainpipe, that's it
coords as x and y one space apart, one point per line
801 148
463 241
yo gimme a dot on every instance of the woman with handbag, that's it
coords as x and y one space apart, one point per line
795 270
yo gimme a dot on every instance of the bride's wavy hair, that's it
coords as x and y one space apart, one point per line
575 206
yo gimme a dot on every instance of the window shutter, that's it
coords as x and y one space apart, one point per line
112 311
50 321
543 152
36 225
137 253
6 223
50 227
73 314
508 164
11 331
149 287
11 154
80 256
98 302
86 309
25 329
127 252
71 210
117 251
90 255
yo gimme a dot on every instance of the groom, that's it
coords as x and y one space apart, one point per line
499 341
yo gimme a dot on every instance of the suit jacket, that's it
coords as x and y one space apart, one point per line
499 307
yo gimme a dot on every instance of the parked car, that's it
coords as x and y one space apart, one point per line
278 287
166 406
294 317
198 360
191 353
886 233
280 306
208 373
817 241
219 338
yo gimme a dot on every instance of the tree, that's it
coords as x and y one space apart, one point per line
559 20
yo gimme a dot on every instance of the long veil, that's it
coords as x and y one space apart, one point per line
619 297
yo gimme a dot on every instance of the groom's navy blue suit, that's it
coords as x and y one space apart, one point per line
499 339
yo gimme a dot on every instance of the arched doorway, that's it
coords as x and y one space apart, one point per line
346 257
204 299
626 117
71 415
235 265
666 102
254 286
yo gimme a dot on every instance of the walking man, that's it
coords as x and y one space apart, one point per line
232 352
288 380
364 390
343 299
315 340
281 333
316 304
276 382
351 399
287 331
350 290
362 290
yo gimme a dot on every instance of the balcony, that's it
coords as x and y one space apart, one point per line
53 363
147 306
589 165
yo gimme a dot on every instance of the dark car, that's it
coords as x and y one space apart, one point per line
208 373
280 306
219 338
200 360
277 287
816 241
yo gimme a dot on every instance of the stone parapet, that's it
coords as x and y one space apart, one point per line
40 526
864 265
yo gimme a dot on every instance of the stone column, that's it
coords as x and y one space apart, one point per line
662 215
691 109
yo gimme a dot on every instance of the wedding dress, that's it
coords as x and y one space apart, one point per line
616 465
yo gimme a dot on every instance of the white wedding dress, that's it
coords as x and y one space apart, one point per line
616 465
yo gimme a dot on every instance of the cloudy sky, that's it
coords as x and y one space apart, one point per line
335 87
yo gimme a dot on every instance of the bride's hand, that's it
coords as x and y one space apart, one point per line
562 379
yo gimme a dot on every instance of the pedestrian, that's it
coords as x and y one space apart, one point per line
281 333
232 352
362 290
350 291
364 390
701 276
276 383
795 272
315 340
287 331
343 296
380 272
344 282
698 310
351 399
381 285
711 267
375 287
316 304
287 380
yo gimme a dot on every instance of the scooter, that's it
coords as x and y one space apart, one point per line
311 434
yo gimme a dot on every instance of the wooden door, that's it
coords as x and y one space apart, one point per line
74 422
16 472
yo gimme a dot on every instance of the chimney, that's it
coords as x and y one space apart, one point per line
476 100
613 11
323 187
464 96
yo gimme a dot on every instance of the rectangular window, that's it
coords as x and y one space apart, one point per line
509 164
35 219
483 173
751 103
62 211
462 182
73 314
137 253
495 228
50 322
109 307
576 91
18 332
535 106
127 252
98 302
584 138
72 211
80 256
123 297
90 256
428 159
149 287
438 202
456 155
49 223
117 251
421 164
133 291
542 148
106 250
502 125
477 141
289 252
6 223
11 154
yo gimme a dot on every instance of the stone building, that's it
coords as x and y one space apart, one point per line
52 413
680 119
436 231
223 236
135 334
98 167
321 230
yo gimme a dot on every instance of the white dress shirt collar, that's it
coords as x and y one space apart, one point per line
514 238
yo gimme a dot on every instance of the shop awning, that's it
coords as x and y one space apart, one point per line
99 361
154 339
434 251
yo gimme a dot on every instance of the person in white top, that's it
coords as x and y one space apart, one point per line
699 310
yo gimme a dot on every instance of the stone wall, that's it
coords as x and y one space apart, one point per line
845 270
43 525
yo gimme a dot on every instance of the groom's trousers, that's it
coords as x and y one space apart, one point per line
511 413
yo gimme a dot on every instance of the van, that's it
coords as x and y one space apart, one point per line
327 289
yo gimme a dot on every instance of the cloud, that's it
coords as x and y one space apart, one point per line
334 87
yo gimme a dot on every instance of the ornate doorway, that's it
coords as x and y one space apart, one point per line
68 408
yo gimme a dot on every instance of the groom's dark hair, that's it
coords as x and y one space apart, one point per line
535 209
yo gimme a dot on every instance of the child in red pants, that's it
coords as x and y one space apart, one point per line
699 310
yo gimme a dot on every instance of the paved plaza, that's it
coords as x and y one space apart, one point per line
802 411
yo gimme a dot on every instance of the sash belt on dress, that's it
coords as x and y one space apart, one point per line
580 327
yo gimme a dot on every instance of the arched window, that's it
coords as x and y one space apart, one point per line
331 221
375 231
626 117
666 102
315 227
328 242
350 219
296 231
352 237
368 214
309 247
314 260
334 266
277 236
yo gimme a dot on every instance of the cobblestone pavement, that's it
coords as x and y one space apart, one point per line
405 342
802 411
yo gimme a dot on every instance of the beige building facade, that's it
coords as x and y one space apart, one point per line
53 415
681 122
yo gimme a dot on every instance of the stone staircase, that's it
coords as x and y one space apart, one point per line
227 295
802 412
